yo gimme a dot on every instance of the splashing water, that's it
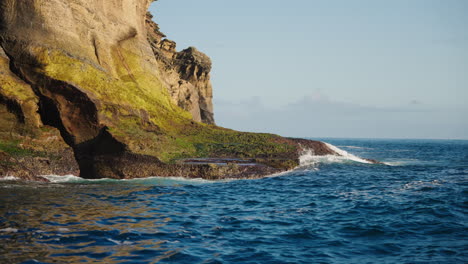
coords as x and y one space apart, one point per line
309 159
168 181
343 213
9 178
346 155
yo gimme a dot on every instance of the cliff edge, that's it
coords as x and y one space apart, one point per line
102 93
186 74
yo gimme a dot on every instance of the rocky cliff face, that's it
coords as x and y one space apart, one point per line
186 74
101 92
28 148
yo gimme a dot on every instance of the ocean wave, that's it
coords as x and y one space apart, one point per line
343 202
406 162
396 163
64 178
9 178
308 158
9 230
149 180
346 155
354 147
418 185
117 242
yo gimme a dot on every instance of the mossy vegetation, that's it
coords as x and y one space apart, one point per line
13 87
13 148
138 111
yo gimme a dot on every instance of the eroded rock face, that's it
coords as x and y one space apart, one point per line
89 29
194 67
186 74
28 148
67 70
98 87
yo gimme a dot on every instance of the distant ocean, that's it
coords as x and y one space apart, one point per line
331 209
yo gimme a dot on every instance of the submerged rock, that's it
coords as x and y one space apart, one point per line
103 93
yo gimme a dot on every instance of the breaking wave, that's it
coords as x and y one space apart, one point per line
355 147
308 158
348 212
61 179
9 178
150 180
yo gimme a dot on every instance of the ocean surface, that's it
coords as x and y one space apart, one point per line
413 209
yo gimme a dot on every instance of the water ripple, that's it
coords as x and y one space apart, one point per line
414 212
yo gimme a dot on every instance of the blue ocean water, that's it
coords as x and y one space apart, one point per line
330 210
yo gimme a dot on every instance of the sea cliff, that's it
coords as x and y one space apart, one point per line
92 87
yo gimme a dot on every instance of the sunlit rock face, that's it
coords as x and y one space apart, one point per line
66 63
186 74
93 87
91 30
88 29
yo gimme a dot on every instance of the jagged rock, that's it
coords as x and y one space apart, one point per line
105 85
186 74
27 147
194 67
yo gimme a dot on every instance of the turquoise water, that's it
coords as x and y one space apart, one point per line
330 210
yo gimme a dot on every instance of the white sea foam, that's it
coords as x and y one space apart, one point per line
9 178
61 179
278 174
174 179
395 163
9 230
308 157
150 180
421 184
347 155
119 242
354 147
404 162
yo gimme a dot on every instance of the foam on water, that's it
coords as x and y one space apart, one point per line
149 180
397 163
346 155
172 180
346 212
61 179
8 178
9 230
355 147
308 158
409 162
119 242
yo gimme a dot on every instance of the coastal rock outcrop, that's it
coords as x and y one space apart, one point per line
103 93
186 74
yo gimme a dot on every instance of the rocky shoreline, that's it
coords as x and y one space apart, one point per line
104 94
30 166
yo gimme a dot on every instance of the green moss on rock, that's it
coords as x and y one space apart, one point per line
138 112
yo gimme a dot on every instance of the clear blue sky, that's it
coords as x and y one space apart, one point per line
337 68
